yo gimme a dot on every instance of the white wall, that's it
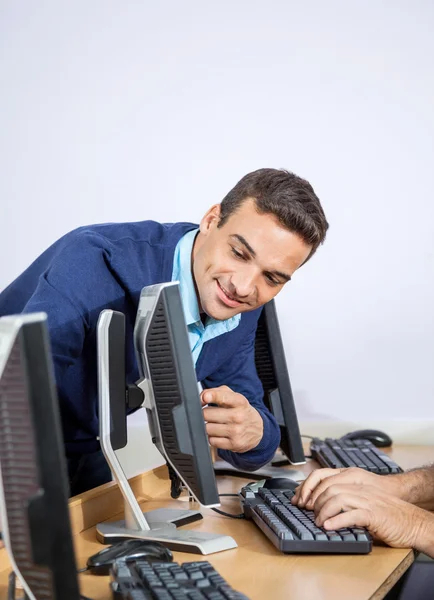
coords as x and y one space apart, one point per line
116 111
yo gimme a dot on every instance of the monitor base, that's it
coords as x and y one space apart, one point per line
171 517
221 467
196 542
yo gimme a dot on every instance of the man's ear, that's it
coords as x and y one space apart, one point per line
211 219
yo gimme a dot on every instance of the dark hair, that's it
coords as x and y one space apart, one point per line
281 193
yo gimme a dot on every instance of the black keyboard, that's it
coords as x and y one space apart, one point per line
143 580
337 454
293 530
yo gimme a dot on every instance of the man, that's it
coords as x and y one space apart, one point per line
394 508
239 258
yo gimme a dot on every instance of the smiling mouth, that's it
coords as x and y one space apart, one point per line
226 297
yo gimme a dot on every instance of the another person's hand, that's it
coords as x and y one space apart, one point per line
387 518
233 424
321 479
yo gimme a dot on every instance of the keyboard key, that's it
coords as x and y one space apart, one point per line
161 594
180 576
361 535
214 596
348 537
138 595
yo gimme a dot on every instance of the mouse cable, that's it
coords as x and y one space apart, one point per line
83 570
225 514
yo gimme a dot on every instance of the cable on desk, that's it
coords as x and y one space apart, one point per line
83 570
225 514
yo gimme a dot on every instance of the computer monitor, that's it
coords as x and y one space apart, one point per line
272 370
33 485
171 397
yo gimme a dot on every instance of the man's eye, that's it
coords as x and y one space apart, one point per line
238 254
270 279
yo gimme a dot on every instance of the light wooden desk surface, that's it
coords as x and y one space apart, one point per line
255 568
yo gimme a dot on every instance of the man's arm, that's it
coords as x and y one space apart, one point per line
238 375
418 487
75 287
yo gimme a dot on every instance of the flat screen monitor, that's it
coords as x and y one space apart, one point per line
272 370
172 394
33 484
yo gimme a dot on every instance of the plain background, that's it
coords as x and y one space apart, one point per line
118 111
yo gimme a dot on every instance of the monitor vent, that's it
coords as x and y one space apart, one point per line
263 361
19 470
166 390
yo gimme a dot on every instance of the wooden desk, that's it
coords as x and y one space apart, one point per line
255 568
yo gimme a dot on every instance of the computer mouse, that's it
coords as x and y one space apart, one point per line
378 438
280 483
101 562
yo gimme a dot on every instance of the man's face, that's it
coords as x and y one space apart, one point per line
245 263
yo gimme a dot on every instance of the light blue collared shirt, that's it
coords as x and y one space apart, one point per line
197 332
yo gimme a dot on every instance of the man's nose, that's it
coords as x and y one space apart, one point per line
244 282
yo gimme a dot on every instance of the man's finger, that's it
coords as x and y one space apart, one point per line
332 491
215 415
352 518
217 430
222 415
336 504
304 491
206 397
221 442
225 398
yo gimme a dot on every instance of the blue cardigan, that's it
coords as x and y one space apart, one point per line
106 266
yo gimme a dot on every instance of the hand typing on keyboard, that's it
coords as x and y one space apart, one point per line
321 479
356 498
293 530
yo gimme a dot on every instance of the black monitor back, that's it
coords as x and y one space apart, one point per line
33 491
273 372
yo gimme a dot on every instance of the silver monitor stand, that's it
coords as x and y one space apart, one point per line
158 525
